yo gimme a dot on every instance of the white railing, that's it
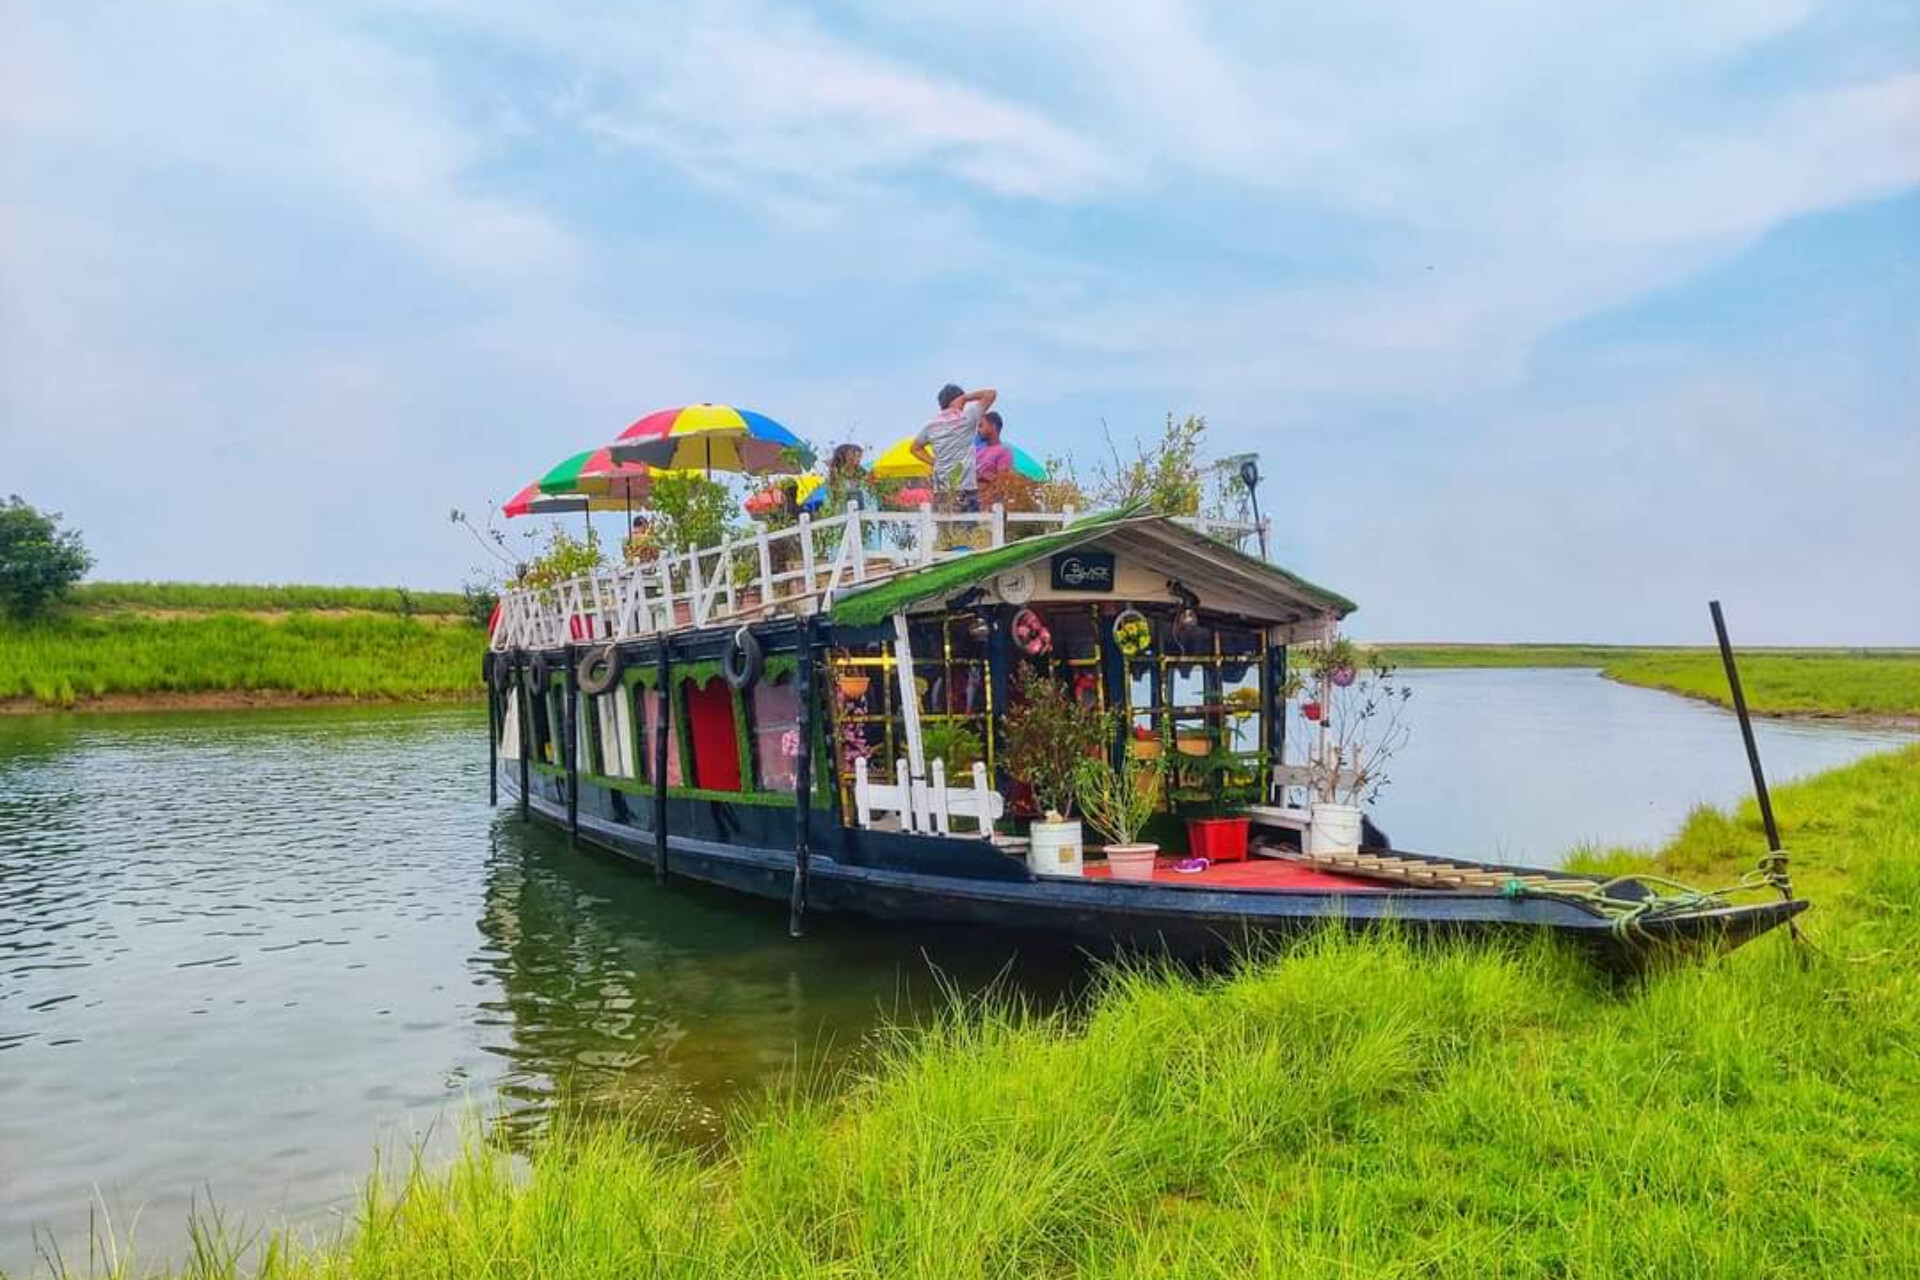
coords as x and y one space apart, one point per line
793 570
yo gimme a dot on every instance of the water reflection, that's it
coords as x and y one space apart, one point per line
620 997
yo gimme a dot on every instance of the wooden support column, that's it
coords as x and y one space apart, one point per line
809 722
570 723
524 709
662 726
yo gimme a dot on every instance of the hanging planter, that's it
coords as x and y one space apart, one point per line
854 688
1310 711
1343 676
1133 634
1030 634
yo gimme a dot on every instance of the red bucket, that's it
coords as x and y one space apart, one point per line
1218 839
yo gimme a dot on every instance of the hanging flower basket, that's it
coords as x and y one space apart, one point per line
1133 633
1031 635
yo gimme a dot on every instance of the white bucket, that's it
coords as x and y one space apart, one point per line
1333 828
1131 861
1053 848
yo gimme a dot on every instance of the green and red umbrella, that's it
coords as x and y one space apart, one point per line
595 474
531 502
709 437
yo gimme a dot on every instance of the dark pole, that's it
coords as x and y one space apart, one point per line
523 708
571 721
803 781
1776 862
662 726
493 730
1746 727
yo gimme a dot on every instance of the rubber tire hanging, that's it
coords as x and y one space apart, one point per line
599 670
741 661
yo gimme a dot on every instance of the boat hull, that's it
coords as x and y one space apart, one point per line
1185 921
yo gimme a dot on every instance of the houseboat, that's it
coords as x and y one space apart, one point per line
779 714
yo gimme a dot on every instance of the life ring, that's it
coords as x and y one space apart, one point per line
599 669
741 661
499 672
1030 634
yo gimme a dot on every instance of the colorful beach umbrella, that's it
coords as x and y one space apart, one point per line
712 437
898 463
531 502
594 473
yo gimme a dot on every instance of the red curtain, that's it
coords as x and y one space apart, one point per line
716 736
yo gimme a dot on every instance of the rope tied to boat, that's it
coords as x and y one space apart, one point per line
1659 896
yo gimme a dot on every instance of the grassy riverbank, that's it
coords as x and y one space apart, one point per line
186 644
1357 1108
1806 682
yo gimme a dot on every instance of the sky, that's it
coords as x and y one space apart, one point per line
1550 321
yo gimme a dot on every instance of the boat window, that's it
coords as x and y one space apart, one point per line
714 729
649 726
1199 701
776 733
951 675
1077 646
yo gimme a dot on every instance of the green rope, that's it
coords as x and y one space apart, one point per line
1628 916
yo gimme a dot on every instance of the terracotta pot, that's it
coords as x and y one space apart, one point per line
1131 861
854 688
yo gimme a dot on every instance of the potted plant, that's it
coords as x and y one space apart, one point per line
1219 831
1048 733
1358 710
1118 802
955 743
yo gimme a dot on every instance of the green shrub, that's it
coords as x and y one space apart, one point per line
39 561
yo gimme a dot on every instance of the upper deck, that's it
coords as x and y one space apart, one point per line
795 571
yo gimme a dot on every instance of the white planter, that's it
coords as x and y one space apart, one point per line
1333 828
1131 861
1053 848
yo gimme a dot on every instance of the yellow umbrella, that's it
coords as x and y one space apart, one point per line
898 463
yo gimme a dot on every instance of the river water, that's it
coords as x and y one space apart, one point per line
242 954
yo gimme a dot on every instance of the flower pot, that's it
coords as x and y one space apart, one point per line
1144 748
1131 861
854 688
1193 746
1218 839
1333 828
1053 848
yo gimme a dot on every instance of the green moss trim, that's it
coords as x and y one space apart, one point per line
633 786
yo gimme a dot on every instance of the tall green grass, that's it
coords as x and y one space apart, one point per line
1776 681
205 596
61 661
1789 683
1354 1107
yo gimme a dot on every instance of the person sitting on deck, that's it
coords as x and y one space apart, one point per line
946 445
991 459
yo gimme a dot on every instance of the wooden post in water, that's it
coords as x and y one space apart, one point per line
523 707
493 731
803 779
662 726
571 726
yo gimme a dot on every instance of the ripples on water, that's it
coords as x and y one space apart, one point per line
241 953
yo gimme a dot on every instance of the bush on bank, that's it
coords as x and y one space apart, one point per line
1357 1107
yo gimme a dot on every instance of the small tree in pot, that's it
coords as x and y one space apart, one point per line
1358 708
1049 733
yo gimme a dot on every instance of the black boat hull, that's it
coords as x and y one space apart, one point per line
1180 920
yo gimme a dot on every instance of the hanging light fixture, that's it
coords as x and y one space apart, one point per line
1189 615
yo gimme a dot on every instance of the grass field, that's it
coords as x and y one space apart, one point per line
1358 1108
240 597
1876 682
62 661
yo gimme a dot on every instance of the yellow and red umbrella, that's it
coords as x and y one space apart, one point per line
709 437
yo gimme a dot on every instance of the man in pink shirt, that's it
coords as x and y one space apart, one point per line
991 459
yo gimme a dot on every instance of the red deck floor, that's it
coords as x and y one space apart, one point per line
1254 873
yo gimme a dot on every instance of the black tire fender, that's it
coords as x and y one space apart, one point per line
741 662
541 670
599 669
